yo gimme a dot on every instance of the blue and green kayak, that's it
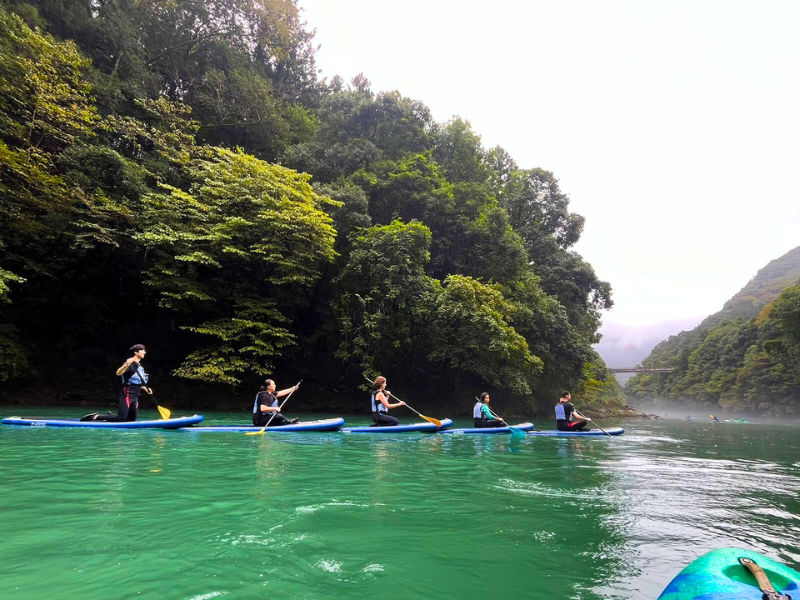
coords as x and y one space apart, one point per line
718 575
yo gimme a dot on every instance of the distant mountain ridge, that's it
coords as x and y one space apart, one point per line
762 289
742 357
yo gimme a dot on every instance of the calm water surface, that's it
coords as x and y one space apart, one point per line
97 514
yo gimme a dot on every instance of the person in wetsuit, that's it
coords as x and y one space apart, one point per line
567 418
134 381
380 404
266 405
482 415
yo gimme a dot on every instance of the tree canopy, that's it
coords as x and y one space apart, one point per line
177 171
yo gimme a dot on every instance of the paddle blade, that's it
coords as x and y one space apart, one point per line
517 434
164 412
256 432
436 422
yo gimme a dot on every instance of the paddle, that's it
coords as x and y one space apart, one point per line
164 412
764 584
515 432
598 426
264 428
436 422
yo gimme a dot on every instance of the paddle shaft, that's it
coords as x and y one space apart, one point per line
598 426
515 432
436 422
263 429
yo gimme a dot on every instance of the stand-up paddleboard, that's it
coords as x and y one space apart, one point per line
719 575
590 433
154 424
489 430
321 425
411 428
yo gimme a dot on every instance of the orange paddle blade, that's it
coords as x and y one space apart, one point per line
436 422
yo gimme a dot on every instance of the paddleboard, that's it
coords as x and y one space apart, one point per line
154 424
322 425
590 433
719 576
488 430
410 428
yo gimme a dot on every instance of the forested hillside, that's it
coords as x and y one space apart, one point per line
176 174
745 357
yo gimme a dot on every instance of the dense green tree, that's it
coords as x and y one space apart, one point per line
459 151
470 330
380 295
393 246
229 255
45 108
539 212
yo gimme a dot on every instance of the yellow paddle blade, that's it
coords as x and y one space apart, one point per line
164 412
436 422
261 432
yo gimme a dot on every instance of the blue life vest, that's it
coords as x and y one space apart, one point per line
139 377
377 405
561 415
476 410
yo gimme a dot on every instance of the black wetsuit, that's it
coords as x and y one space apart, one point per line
261 418
133 378
380 414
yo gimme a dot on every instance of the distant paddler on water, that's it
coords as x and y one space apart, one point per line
134 381
490 419
381 405
483 417
266 410
567 418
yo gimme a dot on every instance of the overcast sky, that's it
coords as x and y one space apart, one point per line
673 126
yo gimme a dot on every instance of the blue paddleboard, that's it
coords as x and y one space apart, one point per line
322 425
590 433
424 427
154 424
489 430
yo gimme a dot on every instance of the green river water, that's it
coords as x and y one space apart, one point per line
103 514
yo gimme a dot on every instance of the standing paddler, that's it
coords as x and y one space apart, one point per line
134 381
